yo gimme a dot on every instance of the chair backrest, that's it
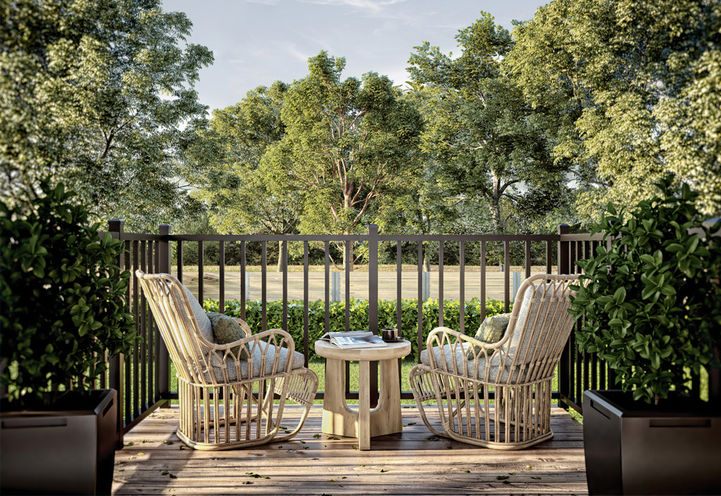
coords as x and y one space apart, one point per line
539 328
177 325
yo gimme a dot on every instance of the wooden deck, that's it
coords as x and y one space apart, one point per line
155 461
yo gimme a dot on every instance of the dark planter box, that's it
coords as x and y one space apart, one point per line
634 448
68 450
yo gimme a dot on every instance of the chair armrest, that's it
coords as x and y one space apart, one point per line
244 325
447 341
276 339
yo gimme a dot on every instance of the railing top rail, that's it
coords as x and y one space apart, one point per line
581 237
337 237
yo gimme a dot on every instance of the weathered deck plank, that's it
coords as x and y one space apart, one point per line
154 461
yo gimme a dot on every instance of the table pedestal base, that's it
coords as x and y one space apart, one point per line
340 420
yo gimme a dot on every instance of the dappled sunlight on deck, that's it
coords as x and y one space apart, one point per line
155 461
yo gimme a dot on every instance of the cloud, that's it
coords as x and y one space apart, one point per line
373 7
264 2
295 52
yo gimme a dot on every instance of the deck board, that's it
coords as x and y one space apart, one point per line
155 461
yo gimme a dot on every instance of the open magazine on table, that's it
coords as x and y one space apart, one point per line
353 339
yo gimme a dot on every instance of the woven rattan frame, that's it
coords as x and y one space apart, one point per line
224 402
520 414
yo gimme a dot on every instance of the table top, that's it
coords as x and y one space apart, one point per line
386 352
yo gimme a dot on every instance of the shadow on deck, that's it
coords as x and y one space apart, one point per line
155 461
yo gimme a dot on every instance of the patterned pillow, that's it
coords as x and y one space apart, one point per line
227 330
491 330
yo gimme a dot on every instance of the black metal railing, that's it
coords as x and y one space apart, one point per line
142 378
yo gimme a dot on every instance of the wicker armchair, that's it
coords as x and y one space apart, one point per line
227 392
460 372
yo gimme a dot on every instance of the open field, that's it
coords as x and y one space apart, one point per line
387 281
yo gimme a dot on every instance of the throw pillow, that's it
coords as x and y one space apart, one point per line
491 330
227 330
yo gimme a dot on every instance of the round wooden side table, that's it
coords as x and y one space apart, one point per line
364 423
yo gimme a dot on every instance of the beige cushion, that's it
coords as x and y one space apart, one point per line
256 354
204 325
228 330
475 369
490 331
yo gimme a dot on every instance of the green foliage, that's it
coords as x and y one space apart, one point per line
629 90
651 302
359 317
486 144
63 296
349 145
99 95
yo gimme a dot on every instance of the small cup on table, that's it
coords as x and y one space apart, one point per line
389 335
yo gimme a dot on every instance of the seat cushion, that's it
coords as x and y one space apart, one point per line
256 357
473 369
204 325
451 354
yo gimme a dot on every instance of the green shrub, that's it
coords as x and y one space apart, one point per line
359 317
651 307
63 298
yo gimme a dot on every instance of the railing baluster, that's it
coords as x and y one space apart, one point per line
527 259
462 282
348 263
284 264
506 274
243 289
440 283
326 272
201 270
419 336
264 284
483 280
179 256
305 300
221 276
399 285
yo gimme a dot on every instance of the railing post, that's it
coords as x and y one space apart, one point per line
115 371
564 252
565 366
373 303
164 266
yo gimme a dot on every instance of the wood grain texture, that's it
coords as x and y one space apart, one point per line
154 461
362 423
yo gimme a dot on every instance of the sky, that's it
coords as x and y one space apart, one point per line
256 42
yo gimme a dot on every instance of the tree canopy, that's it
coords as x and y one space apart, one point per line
486 143
99 95
634 86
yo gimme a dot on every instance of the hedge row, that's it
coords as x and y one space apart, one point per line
359 317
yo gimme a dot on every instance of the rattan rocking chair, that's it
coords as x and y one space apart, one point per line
461 373
231 395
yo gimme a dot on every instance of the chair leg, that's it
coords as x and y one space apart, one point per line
299 387
422 387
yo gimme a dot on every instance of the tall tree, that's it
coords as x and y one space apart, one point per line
99 95
236 181
631 86
349 144
488 144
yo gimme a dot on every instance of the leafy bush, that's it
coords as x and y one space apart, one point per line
652 305
358 317
62 297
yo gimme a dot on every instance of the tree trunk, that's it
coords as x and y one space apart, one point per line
348 255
